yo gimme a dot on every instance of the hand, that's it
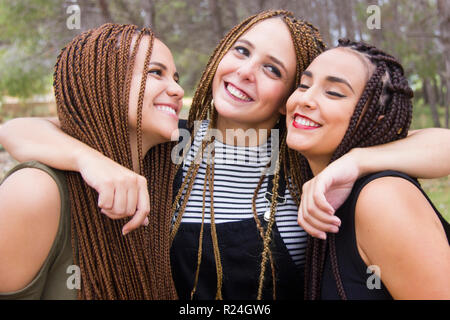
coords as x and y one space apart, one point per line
324 194
122 192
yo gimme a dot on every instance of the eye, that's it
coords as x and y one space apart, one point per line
242 50
335 94
303 86
157 72
273 70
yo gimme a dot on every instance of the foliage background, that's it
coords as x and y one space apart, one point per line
415 31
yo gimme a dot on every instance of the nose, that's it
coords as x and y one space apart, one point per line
246 70
175 90
304 98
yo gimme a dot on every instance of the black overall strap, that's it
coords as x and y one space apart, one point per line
178 180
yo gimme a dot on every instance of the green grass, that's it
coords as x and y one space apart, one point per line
438 190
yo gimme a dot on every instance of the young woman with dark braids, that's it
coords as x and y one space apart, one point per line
116 90
393 243
222 245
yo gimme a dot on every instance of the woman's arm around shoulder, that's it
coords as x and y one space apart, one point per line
398 231
29 219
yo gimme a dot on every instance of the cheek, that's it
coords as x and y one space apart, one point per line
225 66
340 120
274 93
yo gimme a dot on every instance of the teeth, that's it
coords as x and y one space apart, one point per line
167 109
238 93
305 122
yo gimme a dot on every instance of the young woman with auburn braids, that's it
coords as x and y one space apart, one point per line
222 247
357 96
116 91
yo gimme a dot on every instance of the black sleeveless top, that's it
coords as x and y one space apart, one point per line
359 281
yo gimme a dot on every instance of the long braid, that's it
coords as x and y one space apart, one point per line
307 44
92 82
382 114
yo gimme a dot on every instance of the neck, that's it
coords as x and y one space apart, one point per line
147 144
244 134
318 163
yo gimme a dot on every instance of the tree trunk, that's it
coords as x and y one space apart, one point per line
431 99
443 7
149 8
216 17
104 8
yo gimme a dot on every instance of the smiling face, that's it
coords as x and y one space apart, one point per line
255 77
163 95
319 111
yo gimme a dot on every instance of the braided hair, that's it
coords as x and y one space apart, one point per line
92 79
382 114
307 44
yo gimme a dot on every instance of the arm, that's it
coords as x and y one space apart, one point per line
29 218
424 154
398 230
122 192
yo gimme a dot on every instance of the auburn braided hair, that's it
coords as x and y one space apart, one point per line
382 114
92 80
307 44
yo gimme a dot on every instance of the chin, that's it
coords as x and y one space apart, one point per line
296 143
169 133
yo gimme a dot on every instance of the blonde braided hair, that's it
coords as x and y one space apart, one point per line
307 44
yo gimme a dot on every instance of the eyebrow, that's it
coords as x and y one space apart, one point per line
331 79
162 65
275 60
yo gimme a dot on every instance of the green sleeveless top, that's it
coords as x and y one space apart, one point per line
57 278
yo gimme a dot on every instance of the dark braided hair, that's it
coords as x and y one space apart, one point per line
92 82
382 114
307 44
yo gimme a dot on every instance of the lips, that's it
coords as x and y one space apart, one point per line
303 122
237 93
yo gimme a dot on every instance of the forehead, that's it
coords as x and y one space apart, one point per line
162 53
272 36
342 63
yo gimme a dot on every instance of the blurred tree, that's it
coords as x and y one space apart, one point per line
417 32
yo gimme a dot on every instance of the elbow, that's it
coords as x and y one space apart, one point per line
9 141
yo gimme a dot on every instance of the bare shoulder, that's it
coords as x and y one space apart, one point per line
29 219
398 230
393 199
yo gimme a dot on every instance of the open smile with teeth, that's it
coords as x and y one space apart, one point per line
306 122
235 92
166 109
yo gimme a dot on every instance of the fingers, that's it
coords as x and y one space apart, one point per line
316 215
106 197
143 208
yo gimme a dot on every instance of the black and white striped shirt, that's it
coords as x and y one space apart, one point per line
237 171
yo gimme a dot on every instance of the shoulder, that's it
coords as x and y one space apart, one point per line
35 189
391 203
385 195
29 218
398 230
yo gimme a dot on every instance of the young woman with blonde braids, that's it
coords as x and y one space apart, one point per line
116 91
393 243
222 245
